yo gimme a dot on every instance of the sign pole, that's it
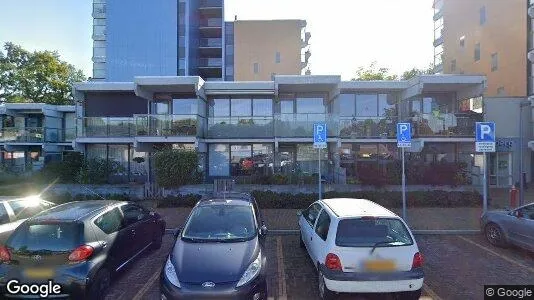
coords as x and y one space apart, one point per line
403 187
320 198
485 184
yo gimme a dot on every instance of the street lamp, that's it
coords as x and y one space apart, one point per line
521 180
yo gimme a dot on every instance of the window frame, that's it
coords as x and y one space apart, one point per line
305 213
323 235
121 215
124 219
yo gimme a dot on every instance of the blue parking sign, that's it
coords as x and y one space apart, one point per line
319 135
404 135
485 131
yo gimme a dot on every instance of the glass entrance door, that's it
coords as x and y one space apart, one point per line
500 169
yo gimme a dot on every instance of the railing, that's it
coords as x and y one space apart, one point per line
169 125
445 124
211 3
210 42
367 127
212 22
210 62
22 135
241 127
68 134
301 125
108 127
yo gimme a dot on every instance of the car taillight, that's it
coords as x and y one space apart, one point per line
417 260
81 253
332 262
5 256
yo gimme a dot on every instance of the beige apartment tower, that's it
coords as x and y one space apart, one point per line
270 47
486 37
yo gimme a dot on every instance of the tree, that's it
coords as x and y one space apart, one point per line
38 77
372 72
416 72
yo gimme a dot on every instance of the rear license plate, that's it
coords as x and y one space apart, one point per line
36 273
380 265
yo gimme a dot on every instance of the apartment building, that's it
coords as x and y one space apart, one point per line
246 129
487 37
32 134
186 38
270 47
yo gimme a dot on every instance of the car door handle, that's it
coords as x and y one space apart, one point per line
133 231
104 244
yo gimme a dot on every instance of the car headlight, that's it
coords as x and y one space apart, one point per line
252 271
170 273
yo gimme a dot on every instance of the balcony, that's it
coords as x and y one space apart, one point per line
210 63
301 125
211 3
211 42
22 135
445 124
240 127
367 127
68 135
169 125
108 127
211 22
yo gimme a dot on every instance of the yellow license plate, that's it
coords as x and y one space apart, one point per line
39 273
380 265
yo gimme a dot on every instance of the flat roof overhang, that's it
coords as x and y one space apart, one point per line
306 83
466 86
239 88
146 86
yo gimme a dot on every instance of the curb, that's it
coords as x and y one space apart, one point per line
282 232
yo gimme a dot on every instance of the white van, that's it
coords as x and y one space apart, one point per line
359 246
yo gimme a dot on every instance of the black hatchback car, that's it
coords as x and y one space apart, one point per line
78 246
219 254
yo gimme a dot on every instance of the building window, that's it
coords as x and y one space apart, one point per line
219 107
453 65
494 62
219 160
482 15
262 107
477 52
241 107
256 68
462 41
277 57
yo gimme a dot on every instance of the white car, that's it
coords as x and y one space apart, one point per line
359 246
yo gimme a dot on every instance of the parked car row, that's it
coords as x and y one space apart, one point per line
74 249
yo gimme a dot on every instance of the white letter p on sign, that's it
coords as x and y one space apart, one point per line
484 130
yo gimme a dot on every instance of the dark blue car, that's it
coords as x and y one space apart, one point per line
219 254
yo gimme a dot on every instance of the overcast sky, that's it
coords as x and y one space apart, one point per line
345 33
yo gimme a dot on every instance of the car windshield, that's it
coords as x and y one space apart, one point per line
220 223
368 232
46 237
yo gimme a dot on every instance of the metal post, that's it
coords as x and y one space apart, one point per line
320 174
521 184
485 184
403 187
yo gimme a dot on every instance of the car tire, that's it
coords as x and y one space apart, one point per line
158 240
301 241
411 295
494 235
100 284
324 292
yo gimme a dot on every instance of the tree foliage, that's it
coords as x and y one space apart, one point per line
38 77
175 168
372 72
416 72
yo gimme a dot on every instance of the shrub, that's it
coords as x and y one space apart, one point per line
65 171
269 199
175 168
97 171
188 200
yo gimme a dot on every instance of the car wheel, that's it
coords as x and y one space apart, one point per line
324 292
100 285
411 295
494 235
301 241
157 241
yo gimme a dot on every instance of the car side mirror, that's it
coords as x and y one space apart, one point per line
263 230
299 213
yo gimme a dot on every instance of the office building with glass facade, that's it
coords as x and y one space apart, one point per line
32 134
252 130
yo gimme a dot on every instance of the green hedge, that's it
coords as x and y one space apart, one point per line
268 199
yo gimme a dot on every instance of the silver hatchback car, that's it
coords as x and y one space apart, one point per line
503 227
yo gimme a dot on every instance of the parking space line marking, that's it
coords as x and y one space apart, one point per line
510 260
147 285
430 292
282 292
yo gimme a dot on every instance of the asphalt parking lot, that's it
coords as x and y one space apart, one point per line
456 267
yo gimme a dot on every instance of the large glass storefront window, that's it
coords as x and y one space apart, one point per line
241 107
185 106
219 107
370 163
240 159
219 160
118 154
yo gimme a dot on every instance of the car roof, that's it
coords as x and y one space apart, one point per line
230 195
349 207
75 211
219 201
